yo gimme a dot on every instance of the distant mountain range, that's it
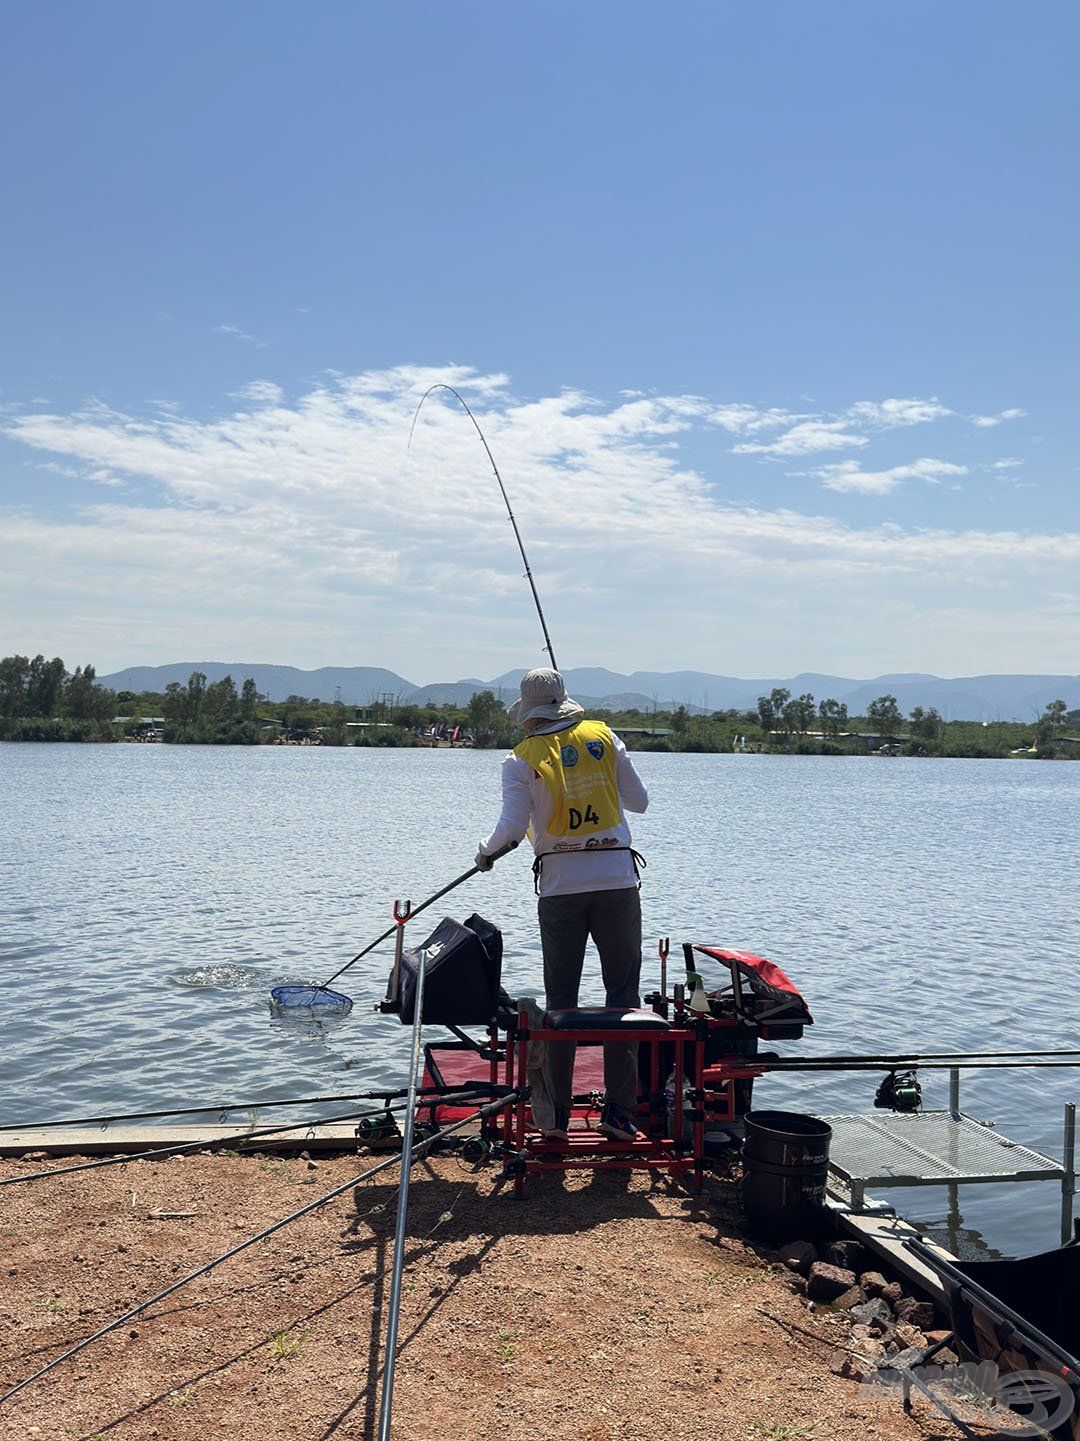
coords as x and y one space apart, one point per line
979 697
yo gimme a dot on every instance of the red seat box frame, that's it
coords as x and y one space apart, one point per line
680 1154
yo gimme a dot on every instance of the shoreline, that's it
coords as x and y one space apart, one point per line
604 1307
636 749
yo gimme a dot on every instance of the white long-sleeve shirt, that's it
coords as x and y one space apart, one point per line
526 799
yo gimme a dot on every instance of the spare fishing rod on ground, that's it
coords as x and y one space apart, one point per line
301 997
242 1142
406 1160
387 1400
104 1122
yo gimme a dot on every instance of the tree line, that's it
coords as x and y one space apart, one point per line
41 700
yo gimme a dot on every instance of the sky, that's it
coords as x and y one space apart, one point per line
768 313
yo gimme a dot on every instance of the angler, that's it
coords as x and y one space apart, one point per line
567 785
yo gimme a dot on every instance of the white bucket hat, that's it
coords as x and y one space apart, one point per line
543 697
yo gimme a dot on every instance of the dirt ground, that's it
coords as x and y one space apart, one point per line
599 1307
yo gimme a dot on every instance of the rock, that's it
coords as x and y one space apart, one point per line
874 1313
854 1368
916 1313
910 1336
34 1156
853 1296
893 1294
826 1282
798 1256
873 1282
859 1368
933 1337
861 1331
910 1356
849 1254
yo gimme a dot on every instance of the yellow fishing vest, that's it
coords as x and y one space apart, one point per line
578 767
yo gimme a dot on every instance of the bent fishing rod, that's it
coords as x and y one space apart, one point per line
441 385
417 1153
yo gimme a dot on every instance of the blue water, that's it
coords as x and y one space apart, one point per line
151 895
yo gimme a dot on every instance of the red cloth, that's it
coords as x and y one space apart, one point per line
765 972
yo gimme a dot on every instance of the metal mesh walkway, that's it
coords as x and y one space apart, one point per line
927 1148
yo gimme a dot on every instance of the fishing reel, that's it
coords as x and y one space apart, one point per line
380 1129
899 1091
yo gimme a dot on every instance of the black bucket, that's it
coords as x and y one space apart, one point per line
785 1164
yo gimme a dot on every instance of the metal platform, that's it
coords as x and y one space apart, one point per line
935 1148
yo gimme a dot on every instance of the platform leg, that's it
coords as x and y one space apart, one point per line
1068 1179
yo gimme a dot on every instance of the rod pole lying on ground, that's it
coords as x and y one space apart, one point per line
242 1141
460 880
419 1150
105 1121
387 1401
181 1147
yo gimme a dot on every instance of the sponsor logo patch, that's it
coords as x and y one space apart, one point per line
569 756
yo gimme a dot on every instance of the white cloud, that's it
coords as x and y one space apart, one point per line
307 531
804 439
807 434
886 414
1008 463
259 392
238 334
985 422
847 476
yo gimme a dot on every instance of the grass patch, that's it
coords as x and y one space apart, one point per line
781 1431
282 1345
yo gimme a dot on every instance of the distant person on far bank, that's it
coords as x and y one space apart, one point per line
567 785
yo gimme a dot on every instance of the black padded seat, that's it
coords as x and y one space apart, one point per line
604 1018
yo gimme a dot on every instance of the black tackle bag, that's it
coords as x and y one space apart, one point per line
464 968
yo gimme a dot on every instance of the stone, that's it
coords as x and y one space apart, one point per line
853 1296
826 1282
893 1294
916 1313
910 1336
855 1368
874 1313
910 1356
851 1255
933 1337
798 1256
873 1282
861 1331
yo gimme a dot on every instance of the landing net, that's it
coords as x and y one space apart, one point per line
310 998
